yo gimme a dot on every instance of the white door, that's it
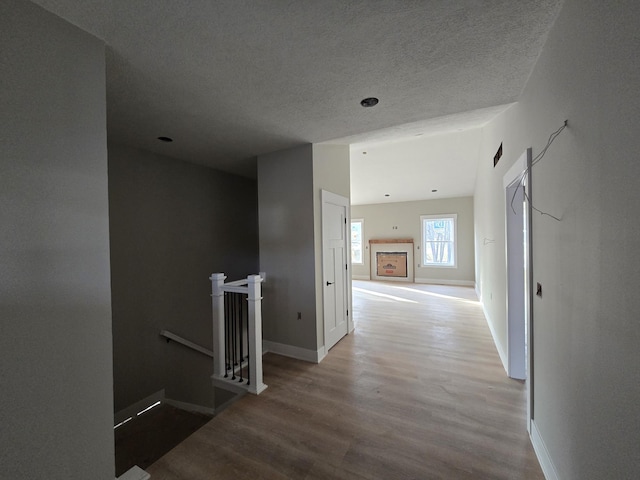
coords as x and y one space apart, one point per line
334 267
516 293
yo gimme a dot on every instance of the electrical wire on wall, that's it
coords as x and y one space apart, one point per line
523 177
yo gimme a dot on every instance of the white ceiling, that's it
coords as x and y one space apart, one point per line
232 79
406 163
408 170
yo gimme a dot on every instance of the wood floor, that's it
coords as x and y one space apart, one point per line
417 392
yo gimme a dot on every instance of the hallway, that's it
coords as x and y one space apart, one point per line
417 392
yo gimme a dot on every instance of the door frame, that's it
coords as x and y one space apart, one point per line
518 233
329 197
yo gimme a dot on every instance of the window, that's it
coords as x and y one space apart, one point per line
357 254
439 240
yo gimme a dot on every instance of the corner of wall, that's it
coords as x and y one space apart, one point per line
544 458
331 172
499 347
287 246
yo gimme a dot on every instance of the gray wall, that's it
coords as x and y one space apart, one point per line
289 186
587 333
285 192
379 220
172 224
56 406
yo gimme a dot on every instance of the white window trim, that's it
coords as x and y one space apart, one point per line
361 221
455 239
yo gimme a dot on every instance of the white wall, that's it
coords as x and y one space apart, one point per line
489 218
331 173
380 220
56 406
586 329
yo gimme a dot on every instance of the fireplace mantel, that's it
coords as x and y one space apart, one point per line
391 240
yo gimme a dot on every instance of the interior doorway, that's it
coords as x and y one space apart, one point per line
518 253
335 267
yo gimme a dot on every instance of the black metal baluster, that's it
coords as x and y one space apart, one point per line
241 313
235 322
248 349
226 334
233 338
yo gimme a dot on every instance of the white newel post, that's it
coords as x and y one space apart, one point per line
217 304
255 337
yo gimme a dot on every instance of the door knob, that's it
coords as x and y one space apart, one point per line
329 283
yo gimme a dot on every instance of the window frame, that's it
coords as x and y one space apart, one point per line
442 216
361 222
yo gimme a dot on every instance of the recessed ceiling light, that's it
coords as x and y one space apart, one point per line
165 139
369 102
434 191
387 195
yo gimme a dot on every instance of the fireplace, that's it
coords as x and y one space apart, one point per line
391 259
391 264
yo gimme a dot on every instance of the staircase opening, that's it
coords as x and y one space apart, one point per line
144 438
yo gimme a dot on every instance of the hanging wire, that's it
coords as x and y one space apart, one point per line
552 137
537 158
537 210
520 184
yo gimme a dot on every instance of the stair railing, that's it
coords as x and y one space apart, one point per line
237 332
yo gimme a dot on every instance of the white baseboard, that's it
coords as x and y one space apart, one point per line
134 473
190 407
433 281
438 281
322 352
501 352
133 409
549 470
360 277
226 383
313 356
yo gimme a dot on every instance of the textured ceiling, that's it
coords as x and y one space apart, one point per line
232 79
432 126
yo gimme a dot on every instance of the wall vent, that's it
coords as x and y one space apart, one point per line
497 156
